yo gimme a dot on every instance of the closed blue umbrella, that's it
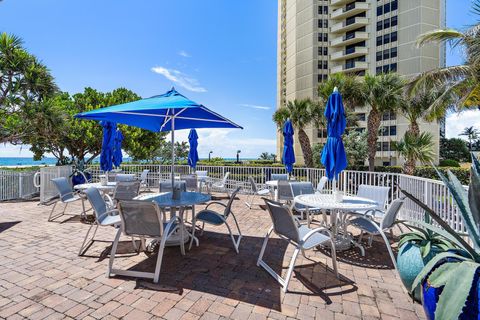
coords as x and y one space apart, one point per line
333 155
288 157
193 153
108 141
117 149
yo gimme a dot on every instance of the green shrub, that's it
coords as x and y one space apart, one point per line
449 163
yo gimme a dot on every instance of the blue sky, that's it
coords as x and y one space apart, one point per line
219 53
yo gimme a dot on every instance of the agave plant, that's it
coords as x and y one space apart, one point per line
426 239
455 270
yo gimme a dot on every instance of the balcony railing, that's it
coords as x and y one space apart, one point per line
350 10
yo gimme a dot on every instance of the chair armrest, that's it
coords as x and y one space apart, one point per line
109 200
112 212
73 193
216 202
317 230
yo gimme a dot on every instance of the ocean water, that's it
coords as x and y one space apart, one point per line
14 161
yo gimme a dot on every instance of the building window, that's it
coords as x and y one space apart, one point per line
394 36
393 52
385 69
361 116
379 70
320 10
393 67
394 5
379 56
379 10
386 38
394 21
379 41
325 65
325 9
393 130
386 54
379 25
325 37
320 23
386 8
385 146
386 23
325 51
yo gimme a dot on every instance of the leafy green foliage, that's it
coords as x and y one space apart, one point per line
317 155
455 149
356 147
267 156
163 153
415 148
449 163
426 240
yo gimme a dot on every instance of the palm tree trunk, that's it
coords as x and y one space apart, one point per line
373 124
306 148
409 167
414 129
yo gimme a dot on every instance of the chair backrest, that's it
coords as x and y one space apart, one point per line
124 177
141 218
299 188
253 184
391 215
166 186
279 176
143 176
225 178
201 173
283 222
63 187
126 190
376 193
228 208
284 190
321 184
97 202
191 182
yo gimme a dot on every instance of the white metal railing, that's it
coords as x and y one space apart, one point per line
17 185
47 188
432 192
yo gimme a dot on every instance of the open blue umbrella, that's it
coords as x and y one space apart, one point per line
288 157
108 141
117 149
333 155
193 153
167 112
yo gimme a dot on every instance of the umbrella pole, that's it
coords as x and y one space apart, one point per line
173 152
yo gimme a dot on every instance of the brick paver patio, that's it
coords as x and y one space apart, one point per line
43 278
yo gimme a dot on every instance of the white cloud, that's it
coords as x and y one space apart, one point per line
254 106
225 143
184 54
180 78
458 121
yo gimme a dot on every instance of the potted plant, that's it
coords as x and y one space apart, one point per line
450 280
415 250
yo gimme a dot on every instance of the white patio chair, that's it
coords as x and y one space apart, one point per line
66 195
279 176
143 180
284 191
124 177
214 218
378 194
202 177
306 213
105 215
126 190
144 219
255 192
191 182
366 224
321 184
300 236
166 186
221 185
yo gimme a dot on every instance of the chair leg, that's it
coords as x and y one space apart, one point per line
236 243
85 244
113 252
334 257
84 213
194 226
389 249
264 246
51 212
290 269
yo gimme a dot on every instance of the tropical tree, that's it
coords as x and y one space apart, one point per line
382 93
163 153
266 156
454 149
356 147
302 113
472 135
415 148
24 81
462 82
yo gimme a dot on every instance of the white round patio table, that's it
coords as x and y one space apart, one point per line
274 185
187 200
343 240
105 188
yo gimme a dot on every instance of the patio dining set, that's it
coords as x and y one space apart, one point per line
305 216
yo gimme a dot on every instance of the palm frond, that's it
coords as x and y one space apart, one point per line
441 35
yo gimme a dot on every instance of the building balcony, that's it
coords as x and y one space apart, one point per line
349 39
350 67
338 3
349 54
349 10
349 24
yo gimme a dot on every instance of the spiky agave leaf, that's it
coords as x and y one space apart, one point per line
459 240
461 199
433 264
455 293
439 277
474 188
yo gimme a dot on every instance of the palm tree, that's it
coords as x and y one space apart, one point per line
462 82
472 135
383 93
302 114
415 148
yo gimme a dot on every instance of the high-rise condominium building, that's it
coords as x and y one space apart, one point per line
317 38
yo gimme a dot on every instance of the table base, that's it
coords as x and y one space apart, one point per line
342 243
